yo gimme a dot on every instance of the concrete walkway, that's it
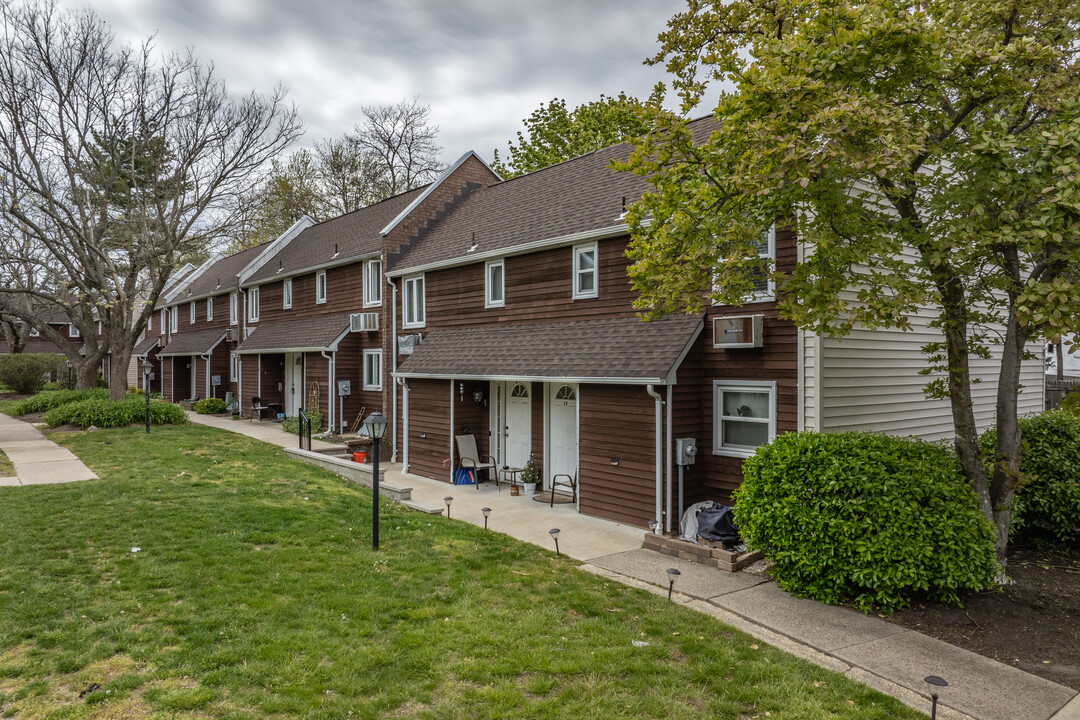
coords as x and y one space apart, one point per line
887 657
37 460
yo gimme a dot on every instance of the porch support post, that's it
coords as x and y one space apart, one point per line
659 432
668 465
404 423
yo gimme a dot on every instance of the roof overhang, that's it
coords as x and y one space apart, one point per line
204 348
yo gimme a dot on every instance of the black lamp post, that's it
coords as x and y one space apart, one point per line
147 368
486 511
672 573
937 687
376 428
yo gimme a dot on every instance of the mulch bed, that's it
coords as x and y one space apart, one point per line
1033 624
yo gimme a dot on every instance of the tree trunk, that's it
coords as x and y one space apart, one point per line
1008 451
1060 360
86 375
118 369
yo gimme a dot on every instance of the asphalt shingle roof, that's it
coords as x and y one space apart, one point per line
619 348
312 334
575 196
355 235
221 276
144 347
199 342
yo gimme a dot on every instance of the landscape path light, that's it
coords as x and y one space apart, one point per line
486 511
937 687
554 533
672 574
147 368
375 425
448 500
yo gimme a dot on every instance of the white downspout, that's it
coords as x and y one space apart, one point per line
452 432
393 389
404 424
659 456
331 392
668 468
206 359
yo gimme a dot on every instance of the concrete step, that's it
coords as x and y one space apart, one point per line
357 472
420 507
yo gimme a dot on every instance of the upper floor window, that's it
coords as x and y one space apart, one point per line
34 332
744 416
286 293
585 273
164 319
320 287
234 303
764 288
98 327
372 283
253 304
413 309
73 331
209 309
191 310
373 369
495 284
174 318
149 322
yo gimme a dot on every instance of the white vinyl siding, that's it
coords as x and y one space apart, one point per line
320 287
253 304
586 276
413 303
373 369
495 284
373 283
286 294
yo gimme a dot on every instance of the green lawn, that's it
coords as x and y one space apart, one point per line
255 594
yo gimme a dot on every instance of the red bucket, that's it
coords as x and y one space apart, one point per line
360 457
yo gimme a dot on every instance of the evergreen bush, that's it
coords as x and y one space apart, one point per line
865 518
209 406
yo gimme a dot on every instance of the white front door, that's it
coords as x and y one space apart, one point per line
563 435
294 383
518 423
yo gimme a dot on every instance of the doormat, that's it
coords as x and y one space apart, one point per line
545 497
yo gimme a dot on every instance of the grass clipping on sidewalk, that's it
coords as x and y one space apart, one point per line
206 575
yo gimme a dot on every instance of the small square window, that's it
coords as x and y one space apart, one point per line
286 294
373 369
744 417
586 278
495 284
320 287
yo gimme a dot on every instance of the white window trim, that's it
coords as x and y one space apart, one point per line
234 308
286 294
372 354
758 386
209 309
770 253
595 292
372 284
191 311
34 332
164 319
73 332
149 322
174 318
488 302
420 319
253 304
234 367
321 290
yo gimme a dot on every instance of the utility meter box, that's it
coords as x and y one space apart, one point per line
344 388
685 451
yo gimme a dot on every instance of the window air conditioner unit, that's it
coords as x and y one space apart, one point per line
364 322
741 331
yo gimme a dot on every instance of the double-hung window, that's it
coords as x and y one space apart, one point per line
586 280
414 302
164 319
73 332
286 294
373 369
253 304
209 309
234 314
174 318
320 287
764 288
744 414
495 284
234 367
191 311
372 283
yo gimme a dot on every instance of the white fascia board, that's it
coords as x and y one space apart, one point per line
272 249
533 378
686 351
279 351
186 282
545 244
176 277
431 188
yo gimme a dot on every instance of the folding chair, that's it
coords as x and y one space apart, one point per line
468 457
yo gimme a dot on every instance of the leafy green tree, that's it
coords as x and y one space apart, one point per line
928 155
556 134
289 191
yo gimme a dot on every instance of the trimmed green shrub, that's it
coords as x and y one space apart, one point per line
865 518
1046 507
50 399
1071 403
105 413
292 424
28 372
209 406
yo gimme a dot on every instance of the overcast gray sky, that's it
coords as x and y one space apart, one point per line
482 65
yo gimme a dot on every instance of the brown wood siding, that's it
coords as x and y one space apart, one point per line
219 365
317 370
688 421
249 374
165 377
617 421
471 419
344 293
429 414
539 397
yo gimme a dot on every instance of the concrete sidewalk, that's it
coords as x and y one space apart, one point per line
37 460
887 657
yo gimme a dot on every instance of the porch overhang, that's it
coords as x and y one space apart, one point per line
201 342
146 347
315 334
618 351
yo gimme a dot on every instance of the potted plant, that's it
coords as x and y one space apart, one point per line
530 476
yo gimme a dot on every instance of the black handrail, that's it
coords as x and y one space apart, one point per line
305 421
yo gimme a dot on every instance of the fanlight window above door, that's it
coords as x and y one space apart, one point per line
519 391
566 393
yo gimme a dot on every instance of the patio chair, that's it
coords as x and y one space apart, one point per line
257 408
565 480
468 457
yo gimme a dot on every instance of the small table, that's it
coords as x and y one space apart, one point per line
509 474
